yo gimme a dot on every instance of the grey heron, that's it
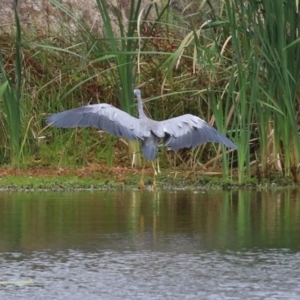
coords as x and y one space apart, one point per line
184 131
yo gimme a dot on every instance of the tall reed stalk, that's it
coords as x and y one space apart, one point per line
12 95
201 46
251 46
268 75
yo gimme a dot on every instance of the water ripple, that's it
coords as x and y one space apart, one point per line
73 274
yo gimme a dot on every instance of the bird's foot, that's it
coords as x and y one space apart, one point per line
142 185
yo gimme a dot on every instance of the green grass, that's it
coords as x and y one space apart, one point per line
130 180
59 183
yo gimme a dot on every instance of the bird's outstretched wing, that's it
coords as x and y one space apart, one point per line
190 131
103 116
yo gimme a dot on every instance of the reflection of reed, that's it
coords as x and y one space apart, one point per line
134 220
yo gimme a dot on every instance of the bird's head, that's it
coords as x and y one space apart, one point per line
137 94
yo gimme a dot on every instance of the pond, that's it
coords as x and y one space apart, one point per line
165 245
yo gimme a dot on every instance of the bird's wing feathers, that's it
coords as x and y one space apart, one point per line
190 131
103 116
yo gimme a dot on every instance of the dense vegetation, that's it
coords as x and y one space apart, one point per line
235 64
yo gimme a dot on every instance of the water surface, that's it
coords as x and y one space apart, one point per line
168 245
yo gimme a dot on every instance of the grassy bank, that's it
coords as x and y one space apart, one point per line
101 177
236 66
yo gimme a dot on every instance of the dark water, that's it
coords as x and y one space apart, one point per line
132 245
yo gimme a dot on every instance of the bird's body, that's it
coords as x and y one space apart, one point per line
180 132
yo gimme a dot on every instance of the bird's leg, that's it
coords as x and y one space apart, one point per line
154 176
155 166
158 168
142 185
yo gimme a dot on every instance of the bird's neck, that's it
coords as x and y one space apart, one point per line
141 110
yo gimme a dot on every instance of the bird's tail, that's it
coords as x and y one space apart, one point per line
149 147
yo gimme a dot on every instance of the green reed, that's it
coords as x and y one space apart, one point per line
11 95
270 71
